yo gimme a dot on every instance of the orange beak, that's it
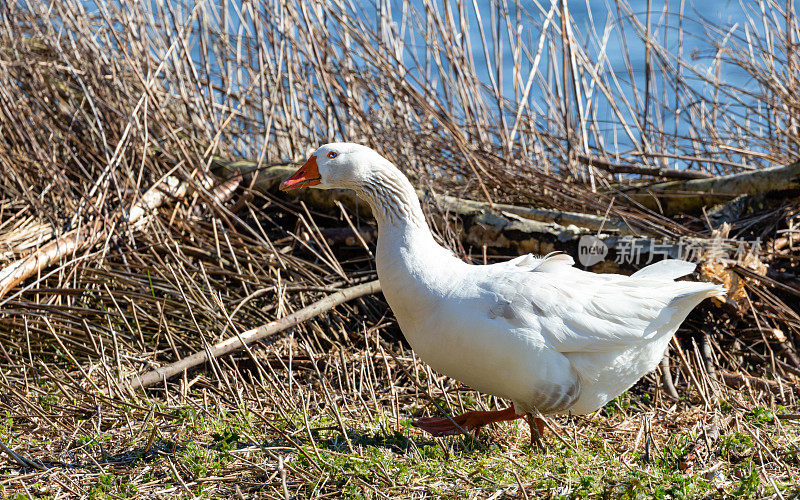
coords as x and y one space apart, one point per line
308 175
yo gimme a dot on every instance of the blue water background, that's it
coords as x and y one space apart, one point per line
590 17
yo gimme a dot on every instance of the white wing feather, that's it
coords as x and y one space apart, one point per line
532 262
578 311
668 269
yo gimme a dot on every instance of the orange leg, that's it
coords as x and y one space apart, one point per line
474 421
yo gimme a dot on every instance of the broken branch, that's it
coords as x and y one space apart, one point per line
240 341
618 168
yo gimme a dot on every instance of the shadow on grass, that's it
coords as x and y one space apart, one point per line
395 441
128 458
325 438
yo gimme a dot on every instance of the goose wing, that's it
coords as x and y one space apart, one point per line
578 311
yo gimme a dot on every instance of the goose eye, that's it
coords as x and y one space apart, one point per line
333 154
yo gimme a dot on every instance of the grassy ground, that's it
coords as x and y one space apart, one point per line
288 430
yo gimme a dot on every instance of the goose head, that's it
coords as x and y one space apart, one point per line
338 165
375 179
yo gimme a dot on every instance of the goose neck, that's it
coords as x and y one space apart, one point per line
393 200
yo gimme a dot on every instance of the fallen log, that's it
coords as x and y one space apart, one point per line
690 196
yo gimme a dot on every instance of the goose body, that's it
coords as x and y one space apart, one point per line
534 330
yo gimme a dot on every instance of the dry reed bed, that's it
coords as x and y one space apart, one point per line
99 111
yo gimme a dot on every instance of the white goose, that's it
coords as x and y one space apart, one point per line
533 330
